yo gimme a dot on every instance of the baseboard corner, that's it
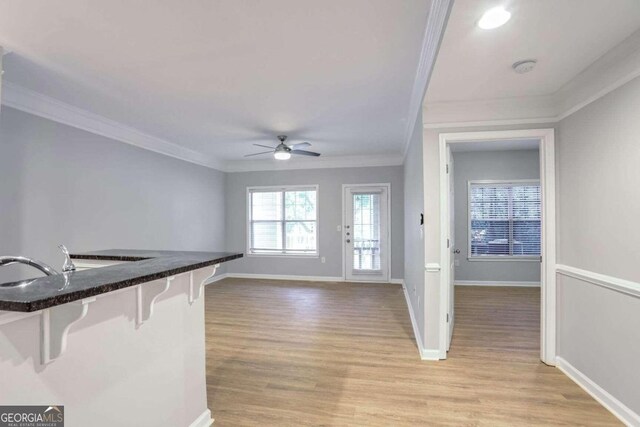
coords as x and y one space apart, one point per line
204 420
424 353
428 354
613 405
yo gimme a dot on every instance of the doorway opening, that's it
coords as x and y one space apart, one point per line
366 233
498 224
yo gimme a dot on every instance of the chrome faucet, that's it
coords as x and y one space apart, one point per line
68 263
67 267
46 269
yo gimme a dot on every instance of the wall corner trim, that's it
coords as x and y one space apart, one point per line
617 408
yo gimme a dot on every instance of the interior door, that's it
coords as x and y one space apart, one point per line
453 251
366 233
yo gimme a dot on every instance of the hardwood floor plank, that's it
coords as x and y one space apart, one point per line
286 353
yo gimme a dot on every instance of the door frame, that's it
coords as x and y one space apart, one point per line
546 144
344 221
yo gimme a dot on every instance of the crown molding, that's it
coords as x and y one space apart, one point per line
609 72
35 103
316 163
504 111
436 22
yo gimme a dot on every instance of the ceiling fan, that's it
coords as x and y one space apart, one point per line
283 151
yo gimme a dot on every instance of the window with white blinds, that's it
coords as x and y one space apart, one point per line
504 219
282 221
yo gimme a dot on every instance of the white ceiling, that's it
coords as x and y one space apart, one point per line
215 76
564 36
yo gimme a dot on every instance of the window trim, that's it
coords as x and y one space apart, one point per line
502 258
273 188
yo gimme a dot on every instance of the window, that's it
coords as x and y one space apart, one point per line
504 219
283 221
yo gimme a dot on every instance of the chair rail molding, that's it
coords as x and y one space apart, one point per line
614 283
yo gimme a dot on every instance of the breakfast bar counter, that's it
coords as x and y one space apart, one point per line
119 341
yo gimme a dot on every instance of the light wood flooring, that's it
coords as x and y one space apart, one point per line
285 353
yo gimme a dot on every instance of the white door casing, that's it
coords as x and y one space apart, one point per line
452 243
366 233
548 238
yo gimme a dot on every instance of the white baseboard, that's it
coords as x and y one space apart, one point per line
496 283
617 408
424 353
427 354
204 420
295 277
285 277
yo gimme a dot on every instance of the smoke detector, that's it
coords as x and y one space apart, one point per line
522 67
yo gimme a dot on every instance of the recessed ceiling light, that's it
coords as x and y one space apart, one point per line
494 18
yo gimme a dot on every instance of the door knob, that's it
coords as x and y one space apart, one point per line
348 241
457 251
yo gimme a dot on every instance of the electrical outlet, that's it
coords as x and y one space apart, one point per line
323 260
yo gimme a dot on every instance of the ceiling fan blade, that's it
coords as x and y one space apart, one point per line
300 145
264 146
305 153
257 154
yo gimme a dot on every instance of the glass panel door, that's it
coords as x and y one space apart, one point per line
366 233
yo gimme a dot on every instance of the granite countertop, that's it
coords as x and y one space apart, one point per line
142 266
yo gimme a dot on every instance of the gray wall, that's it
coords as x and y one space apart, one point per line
413 233
330 216
599 207
490 165
64 185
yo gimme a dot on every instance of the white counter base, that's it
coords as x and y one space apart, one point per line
116 370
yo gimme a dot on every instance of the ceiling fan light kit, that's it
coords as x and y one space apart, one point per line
284 151
282 155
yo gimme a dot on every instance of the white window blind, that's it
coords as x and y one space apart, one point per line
283 221
504 219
